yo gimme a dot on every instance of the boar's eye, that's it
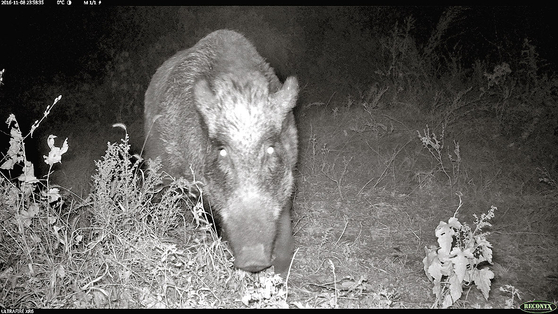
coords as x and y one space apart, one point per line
270 150
222 152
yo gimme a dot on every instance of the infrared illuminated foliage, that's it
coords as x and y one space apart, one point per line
55 154
459 259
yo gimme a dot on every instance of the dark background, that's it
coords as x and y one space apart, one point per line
43 41
39 43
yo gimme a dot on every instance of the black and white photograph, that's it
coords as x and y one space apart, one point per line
175 156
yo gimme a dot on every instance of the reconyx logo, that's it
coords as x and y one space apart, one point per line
538 307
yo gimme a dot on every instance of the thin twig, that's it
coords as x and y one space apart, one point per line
342 233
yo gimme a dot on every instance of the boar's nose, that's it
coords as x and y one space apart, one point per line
252 258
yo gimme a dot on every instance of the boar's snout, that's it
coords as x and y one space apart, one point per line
252 258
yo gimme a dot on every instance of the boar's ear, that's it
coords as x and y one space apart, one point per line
285 98
206 103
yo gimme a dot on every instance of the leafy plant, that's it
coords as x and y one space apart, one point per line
34 232
458 260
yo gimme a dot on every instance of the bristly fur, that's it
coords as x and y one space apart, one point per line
222 51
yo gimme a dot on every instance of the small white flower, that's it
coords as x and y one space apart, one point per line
53 195
55 154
